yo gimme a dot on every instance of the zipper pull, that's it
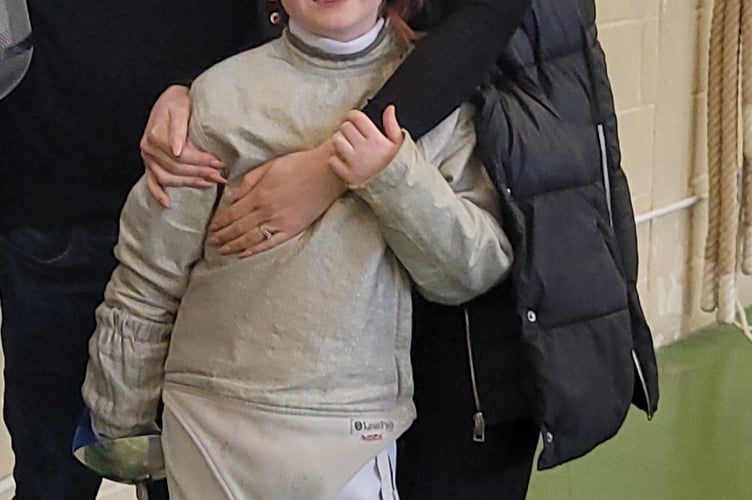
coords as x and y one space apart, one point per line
479 428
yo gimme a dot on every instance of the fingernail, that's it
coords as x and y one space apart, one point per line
213 241
217 163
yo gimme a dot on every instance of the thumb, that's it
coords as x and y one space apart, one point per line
391 126
250 180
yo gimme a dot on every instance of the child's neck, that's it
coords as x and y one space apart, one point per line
335 46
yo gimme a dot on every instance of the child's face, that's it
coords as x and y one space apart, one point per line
342 20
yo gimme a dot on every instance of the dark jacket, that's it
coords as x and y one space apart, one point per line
564 340
69 132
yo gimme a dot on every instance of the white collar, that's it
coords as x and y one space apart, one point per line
335 47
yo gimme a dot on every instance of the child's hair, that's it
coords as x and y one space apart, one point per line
399 12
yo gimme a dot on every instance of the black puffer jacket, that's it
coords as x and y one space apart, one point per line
568 324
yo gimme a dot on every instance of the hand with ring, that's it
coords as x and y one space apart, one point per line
276 201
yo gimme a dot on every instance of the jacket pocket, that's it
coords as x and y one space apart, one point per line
583 383
572 271
576 327
41 246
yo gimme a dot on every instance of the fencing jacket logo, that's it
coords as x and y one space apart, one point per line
371 430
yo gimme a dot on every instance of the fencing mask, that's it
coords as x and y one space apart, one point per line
15 44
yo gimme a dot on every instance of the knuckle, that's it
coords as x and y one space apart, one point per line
265 211
151 135
243 207
221 219
247 227
233 213
263 197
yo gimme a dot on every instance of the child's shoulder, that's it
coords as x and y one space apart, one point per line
243 71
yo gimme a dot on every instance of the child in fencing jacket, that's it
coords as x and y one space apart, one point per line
287 374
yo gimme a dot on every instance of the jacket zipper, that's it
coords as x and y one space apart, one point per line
607 189
479 421
643 383
604 167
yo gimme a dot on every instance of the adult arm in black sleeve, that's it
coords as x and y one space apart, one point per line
448 64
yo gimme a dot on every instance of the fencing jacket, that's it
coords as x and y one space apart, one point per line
320 325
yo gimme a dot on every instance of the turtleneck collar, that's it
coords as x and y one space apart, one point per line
336 47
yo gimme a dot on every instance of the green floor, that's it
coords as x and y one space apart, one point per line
698 446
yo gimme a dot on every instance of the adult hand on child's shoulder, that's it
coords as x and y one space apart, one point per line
169 157
361 150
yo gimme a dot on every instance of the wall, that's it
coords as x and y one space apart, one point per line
657 56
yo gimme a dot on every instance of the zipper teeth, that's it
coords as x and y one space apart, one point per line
607 189
641 376
471 360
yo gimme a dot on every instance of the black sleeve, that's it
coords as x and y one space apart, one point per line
448 64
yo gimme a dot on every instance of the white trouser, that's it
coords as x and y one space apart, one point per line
225 449
376 480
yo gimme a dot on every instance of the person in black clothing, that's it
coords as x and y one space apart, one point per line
68 135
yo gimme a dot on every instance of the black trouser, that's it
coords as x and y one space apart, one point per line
51 280
437 457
